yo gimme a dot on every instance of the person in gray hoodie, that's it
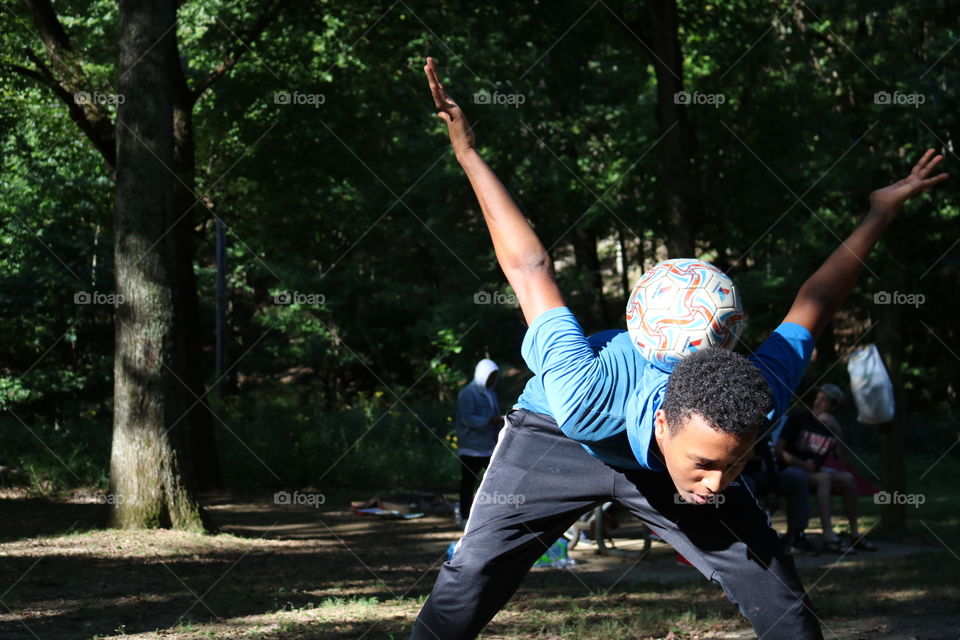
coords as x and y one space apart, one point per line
478 422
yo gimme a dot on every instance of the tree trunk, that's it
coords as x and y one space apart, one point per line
826 343
65 76
893 474
625 285
146 465
678 143
591 280
204 463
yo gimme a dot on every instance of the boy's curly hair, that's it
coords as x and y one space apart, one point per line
722 387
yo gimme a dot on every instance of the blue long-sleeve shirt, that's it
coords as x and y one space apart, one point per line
604 394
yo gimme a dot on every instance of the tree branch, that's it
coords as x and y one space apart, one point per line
92 118
54 38
29 73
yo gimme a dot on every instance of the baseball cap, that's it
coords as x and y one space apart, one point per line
833 392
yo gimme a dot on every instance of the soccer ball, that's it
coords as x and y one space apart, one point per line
680 307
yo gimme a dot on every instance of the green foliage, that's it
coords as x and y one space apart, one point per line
356 201
375 443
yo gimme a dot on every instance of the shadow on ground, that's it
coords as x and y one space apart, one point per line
280 571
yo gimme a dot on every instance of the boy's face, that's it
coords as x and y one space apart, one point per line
823 403
701 461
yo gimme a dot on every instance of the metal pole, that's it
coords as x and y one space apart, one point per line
221 295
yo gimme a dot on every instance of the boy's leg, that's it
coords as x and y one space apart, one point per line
538 483
846 486
731 543
795 484
823 483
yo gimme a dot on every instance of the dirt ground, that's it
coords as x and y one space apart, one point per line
280 571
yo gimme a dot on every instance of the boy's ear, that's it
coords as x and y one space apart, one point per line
662 430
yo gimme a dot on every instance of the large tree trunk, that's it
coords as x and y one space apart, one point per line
147 466
64 75
205 465
678 144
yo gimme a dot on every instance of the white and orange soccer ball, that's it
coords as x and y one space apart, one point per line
682 306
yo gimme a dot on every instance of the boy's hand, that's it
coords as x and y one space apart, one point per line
890 199
461 135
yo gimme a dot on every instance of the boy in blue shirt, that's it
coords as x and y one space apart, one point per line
598 422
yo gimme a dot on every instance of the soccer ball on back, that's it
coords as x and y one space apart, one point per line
682 306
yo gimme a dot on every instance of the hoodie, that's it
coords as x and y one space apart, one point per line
475 406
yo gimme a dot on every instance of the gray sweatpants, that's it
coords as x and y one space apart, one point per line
539 482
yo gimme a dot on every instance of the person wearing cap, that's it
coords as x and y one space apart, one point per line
832 481
478 423
805 442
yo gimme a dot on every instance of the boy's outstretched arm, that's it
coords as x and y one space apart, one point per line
520 253
823 293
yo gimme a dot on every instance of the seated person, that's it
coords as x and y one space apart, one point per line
836 467
806 440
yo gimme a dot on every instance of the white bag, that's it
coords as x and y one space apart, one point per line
870 386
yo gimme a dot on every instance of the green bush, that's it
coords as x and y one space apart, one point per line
371 444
